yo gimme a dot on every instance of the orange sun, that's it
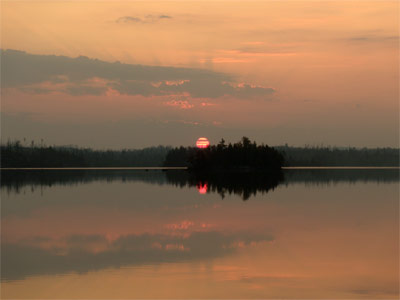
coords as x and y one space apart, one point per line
202 143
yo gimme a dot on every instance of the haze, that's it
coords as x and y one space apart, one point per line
118 74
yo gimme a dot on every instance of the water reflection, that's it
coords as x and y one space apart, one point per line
84 253
202 187
15 180
243 184
305 234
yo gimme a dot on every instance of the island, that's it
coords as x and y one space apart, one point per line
242 156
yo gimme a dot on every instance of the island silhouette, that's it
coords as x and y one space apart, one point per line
243 156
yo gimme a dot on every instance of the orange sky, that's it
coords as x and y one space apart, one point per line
297 72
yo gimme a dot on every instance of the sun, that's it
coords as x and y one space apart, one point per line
202 143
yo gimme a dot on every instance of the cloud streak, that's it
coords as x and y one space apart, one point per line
149 19
85 76
373 38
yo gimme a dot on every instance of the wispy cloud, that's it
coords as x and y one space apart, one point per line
182 104
374 38
143 20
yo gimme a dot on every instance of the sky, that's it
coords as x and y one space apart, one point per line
132 74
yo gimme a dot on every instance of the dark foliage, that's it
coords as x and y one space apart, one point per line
178 157
16 155
331 156
240 155
244 155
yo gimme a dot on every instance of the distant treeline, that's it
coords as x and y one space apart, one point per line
331 156
15 154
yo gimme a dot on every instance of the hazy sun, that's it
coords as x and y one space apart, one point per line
202 143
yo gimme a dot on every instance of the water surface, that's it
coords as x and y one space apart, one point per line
136 234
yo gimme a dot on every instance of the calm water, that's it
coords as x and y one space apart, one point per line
135 234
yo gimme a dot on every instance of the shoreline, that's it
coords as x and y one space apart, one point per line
186 168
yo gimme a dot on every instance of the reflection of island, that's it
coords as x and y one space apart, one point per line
244 184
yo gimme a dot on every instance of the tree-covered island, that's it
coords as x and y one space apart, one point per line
244 155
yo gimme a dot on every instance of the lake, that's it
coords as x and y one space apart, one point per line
93 234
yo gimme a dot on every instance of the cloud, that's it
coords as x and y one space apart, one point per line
377 291
209 88
182 104
128 19
252 50
164 17
145 20
373 38
85 76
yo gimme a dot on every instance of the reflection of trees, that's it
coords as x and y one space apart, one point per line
327 176
244 184
14 180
